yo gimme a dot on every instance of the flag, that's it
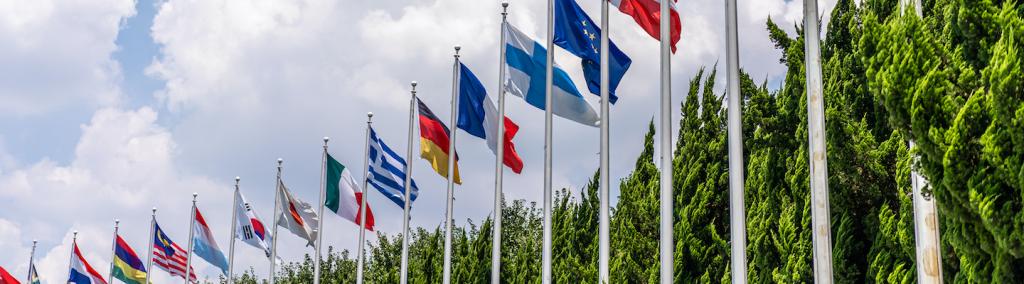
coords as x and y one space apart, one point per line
249 228
7 278
33 274
81 271
647 14
479 117
578 34
344 194
387 171
525 63
168 256
205 246
434 139
127 266
299 217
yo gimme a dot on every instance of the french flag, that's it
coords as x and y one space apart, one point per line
647 14
479 117
81 271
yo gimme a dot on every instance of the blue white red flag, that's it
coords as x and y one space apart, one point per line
81 271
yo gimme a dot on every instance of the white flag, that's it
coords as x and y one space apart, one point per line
299 217
250 228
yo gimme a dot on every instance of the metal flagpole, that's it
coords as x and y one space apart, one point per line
74 239
548 77
320 212
31 257
451 170
191 235
499 168
234 233
113 254
737 211
277 203
820 223
604 246
362 202
149 255
667 221
408 185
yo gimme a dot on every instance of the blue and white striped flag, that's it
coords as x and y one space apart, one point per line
387 171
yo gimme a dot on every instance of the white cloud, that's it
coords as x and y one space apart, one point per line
56 54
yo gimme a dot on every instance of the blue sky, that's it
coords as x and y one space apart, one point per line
111 107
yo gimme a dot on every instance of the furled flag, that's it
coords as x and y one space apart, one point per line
205 246
434 139
33 274
127 266
344 196
479 117
387 171
578 34
81 271
647 14
249 227
168 256
297 216
7 278
525 63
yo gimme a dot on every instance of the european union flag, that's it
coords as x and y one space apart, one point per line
580 35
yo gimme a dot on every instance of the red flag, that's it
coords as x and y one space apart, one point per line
6 278
647 13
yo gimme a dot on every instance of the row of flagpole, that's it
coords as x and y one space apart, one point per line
822 259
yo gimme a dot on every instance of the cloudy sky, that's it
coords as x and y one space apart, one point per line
111 107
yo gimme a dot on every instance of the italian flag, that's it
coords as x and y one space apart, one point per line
343 193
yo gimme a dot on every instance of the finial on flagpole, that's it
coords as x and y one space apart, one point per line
326 139
194 196
457 48
279 161
414 85
74 235
154 211
504 6
117 221
237 178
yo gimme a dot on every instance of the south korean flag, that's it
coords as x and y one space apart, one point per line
249 227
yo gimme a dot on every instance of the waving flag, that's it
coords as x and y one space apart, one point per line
434 139
344 196
479 117
249 227
387 171
297 216
7 278
168 256
81 271
127 266
647 14
205 246
525 62
578 34
33 274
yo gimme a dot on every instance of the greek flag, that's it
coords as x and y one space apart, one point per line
387 171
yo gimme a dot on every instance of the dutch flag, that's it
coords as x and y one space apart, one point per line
81 271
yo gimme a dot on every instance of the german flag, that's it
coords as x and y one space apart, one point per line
434 139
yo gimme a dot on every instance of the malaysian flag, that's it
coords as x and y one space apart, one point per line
169 256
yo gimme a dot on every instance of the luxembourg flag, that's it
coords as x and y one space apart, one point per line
205 246
81 271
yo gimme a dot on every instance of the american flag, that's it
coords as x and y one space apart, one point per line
169 256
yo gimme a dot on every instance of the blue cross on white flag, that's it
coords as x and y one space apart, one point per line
387 171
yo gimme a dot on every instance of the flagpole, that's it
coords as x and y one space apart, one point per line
667 241
113 253
31 258
320 212
499 170
548 77
603 227
149 255
234 233
737 211
74 239
277 203
191 235
451 172
820 223
362 202
408 185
